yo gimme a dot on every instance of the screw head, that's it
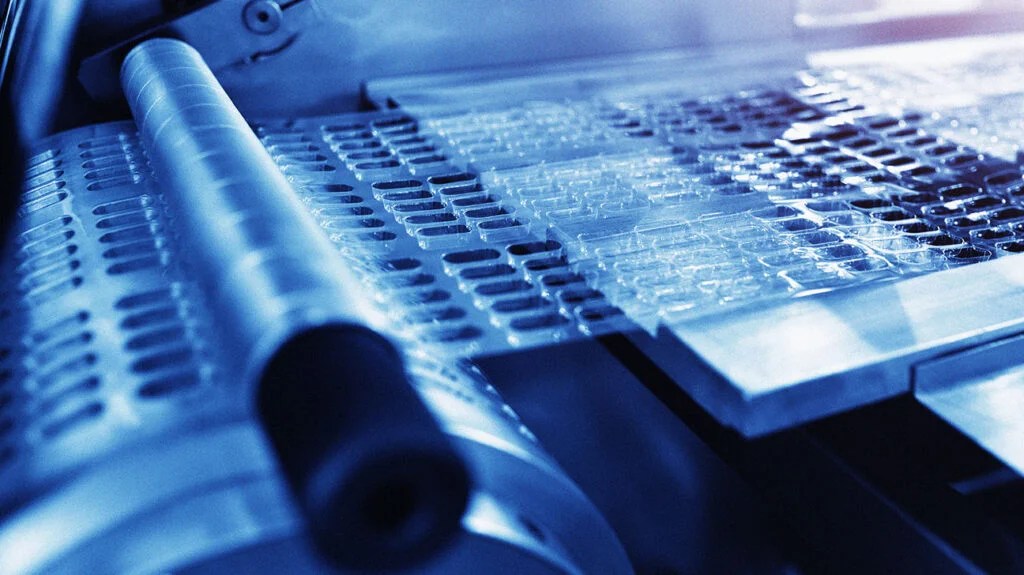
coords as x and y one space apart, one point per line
262 16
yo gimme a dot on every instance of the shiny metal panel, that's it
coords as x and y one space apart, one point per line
988 411
981 393
324 70
769 368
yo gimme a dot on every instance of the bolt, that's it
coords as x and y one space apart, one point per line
262 16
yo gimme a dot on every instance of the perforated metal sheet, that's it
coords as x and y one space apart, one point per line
453 266
101 328
111 373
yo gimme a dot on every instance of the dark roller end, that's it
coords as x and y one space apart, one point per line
378 481
394 511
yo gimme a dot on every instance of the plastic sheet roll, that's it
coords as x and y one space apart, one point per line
378 482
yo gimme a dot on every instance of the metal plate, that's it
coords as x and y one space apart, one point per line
763 369
981 393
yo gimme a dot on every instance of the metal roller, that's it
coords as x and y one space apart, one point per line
378 482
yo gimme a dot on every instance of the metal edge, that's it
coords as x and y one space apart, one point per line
759 370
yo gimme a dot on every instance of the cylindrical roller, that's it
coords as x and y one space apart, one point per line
379 483
403 490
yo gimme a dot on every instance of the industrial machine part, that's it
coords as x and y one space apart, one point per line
232 35
35 45
330 390
126 331
667 210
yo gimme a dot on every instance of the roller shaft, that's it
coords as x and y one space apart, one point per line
376 478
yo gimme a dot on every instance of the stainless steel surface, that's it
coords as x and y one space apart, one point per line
234 36
37 44
35 47
354 42
714 67
809 358
194 497
981 393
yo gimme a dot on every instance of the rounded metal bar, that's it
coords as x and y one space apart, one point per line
379 483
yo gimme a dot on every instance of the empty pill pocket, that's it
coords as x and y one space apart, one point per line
455 261
444 236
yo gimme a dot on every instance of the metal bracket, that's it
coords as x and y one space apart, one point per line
980 392
228 33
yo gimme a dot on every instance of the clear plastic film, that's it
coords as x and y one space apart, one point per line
714 202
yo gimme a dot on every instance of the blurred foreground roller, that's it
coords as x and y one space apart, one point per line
378 482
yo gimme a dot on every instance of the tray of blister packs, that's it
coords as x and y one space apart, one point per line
783 251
